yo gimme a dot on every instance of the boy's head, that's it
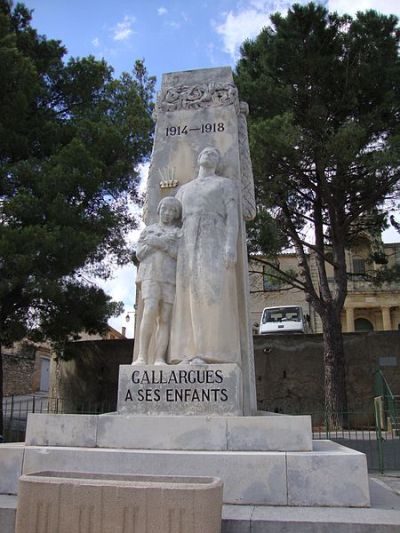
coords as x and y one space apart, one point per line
169 210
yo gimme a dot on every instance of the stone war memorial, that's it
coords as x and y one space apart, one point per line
187 439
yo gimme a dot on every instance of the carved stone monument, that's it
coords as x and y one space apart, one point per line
156 250
201 156
193 350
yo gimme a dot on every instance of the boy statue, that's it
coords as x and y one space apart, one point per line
157 251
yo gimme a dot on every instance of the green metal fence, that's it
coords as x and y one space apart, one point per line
372 432
363 432
17 408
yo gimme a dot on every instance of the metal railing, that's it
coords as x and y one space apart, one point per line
17 408
363 432
389 407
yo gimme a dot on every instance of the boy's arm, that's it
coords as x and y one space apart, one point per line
171 245
143 248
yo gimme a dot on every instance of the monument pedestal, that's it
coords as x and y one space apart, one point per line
268 459
264 461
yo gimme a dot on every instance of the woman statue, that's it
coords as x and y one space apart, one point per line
205 324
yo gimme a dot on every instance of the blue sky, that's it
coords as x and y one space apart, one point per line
171 35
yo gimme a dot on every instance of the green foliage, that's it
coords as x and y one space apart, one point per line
71 139
264 235
324 98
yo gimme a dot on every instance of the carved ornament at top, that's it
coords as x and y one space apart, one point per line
211 94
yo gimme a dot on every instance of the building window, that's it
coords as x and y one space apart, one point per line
270 281
359 266
362 324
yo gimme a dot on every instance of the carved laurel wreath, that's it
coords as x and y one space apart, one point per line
211 94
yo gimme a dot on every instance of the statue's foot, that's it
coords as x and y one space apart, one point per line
139 361
159 362
197 361
193 361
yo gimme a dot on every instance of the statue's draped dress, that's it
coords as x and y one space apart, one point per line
205 320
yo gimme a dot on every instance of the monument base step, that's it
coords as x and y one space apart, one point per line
383 516
330 475
208 433
8 506
241 519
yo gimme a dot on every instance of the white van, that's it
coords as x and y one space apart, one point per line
284 319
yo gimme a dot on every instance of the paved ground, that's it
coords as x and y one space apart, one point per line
392 479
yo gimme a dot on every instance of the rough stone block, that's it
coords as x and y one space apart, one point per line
61 430
331 475
236 518
65 502
282 433
163 433
248 477
11 458
8 505
259 433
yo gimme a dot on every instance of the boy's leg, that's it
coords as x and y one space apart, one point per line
149 318
162 334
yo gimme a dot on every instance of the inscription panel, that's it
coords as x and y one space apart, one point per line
180 389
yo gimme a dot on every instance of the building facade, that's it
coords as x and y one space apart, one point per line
368 307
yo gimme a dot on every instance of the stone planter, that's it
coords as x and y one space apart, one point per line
66 502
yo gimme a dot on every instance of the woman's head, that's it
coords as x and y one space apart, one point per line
209 157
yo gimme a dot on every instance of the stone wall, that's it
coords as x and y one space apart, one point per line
87 379
290 376
18 368
289 371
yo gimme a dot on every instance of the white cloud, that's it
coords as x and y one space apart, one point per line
247 22
144 173
238 27
121 287
386 7
162 10
210 50
123 30
96 42
185 17
261 5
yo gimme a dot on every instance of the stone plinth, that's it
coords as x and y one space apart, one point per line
229 433
11 458
331 475
180 390
87 503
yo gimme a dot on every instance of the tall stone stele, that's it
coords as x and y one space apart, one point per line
210 321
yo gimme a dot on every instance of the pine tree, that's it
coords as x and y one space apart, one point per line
324 98
71 139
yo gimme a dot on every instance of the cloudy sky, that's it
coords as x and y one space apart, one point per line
171 35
